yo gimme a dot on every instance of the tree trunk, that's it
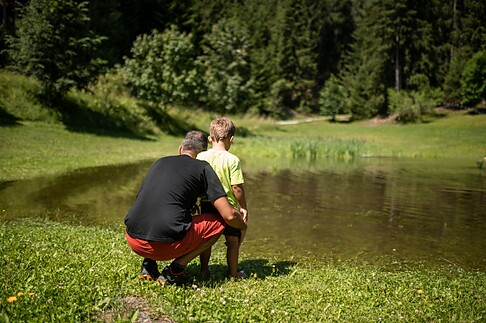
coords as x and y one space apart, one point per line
454 29
397 63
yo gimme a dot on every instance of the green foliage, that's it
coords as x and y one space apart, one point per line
19 100
332 98
452 81
225 62
53 44
413 104
263 57
161 69
473 82
362 74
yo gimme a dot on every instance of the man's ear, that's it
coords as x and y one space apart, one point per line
180 150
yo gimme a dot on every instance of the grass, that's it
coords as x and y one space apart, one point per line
31 149
58 272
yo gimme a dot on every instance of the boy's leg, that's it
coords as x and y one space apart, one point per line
204 259
232 252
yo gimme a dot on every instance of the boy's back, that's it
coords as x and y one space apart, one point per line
227 167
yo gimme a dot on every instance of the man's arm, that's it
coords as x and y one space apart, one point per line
231 216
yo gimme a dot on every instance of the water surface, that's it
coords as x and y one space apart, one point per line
432 211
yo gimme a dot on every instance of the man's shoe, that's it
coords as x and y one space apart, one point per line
149 270
168 278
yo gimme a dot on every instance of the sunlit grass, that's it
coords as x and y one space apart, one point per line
56 272
33 148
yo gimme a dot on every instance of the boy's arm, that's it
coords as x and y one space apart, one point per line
239 193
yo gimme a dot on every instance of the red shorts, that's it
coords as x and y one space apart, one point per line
204 226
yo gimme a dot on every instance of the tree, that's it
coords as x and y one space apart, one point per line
331 98
161 69
53 44
364 65
226 65
473 82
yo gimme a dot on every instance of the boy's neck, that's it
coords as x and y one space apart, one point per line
220 145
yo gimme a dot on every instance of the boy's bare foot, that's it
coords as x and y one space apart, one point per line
205 275
239 275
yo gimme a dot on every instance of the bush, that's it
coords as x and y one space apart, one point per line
411 105
111 101
473 82
161 70
332 98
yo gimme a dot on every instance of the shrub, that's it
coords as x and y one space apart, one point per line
161 70
473 82
332 98
411 105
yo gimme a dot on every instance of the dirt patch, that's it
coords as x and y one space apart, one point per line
379 120
130 305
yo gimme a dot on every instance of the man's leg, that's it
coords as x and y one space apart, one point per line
175 272
185 259
149 269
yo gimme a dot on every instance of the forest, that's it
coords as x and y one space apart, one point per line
273 58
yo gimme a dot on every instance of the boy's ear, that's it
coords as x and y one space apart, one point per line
231 138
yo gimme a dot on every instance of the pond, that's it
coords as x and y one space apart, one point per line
427 211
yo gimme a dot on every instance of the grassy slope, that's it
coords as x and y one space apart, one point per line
33 148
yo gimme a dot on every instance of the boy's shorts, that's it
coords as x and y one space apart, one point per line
204 227
208 207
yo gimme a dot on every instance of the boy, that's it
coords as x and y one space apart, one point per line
227 167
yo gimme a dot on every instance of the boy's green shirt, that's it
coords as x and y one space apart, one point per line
227 167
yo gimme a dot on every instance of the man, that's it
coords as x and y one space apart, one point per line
160 225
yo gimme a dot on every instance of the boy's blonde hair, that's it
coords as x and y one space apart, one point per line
221 128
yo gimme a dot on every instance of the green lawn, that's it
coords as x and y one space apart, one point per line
54 272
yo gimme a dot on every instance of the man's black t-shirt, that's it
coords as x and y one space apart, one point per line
162 209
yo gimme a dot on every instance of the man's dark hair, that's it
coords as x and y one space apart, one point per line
195 141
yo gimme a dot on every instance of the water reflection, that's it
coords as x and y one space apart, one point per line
431 211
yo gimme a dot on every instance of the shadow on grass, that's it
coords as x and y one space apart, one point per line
118 121
168 124
7 119
255 268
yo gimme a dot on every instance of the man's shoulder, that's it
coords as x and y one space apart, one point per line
180 160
